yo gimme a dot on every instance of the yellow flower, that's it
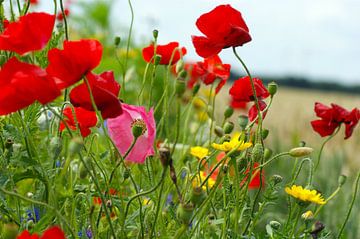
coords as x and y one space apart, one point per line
234 143
199 152
307 215
147 201
305 195
210 182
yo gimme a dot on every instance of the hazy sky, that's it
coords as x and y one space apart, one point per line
319 39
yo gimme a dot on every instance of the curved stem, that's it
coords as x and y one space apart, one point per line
356 185
65 20
322 147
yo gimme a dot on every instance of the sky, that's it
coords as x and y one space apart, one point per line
316 39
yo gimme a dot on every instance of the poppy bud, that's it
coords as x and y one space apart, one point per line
157 60
228 112
165 156
197 195
316 229
9 143
9 231
180 87
341 180
257 153
219 131
117 41
275 225
243 120
195 89
184 212
277 179
272 88
138 128
75 145
155 33
179 66
267 153
264 133
82 169
228 127
126 174
300 152
55 146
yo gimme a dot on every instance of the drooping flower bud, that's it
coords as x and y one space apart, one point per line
228 112
267 153
219 131
272 88
341 180
75 145
243 120
195 89
228 127
264 133
184 212
165 156
155 33
300 152
275 224
257 153
179 65
197 195
117 41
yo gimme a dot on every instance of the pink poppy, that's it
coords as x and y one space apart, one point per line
120 131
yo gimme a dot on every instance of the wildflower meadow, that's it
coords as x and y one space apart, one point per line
103 138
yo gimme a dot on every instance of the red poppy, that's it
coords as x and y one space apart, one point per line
223 27
238 104
211 69
51 233
255 182
194 74
104 89
73 62
169 52
21 84
30 33
332 117
241 89
60 16
34 2
253 112
86 119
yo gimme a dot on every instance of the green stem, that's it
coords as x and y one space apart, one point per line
296 221
65 20
355 191
58 214
322 147
128 45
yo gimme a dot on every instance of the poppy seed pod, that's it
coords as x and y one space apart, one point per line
138 128
184 212
197 195
228 127
300 152
272 88
228 112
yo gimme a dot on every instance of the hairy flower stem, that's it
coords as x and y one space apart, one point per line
354 194
65 20
258 138
323 145
51 208
297 216
128 46
178 122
